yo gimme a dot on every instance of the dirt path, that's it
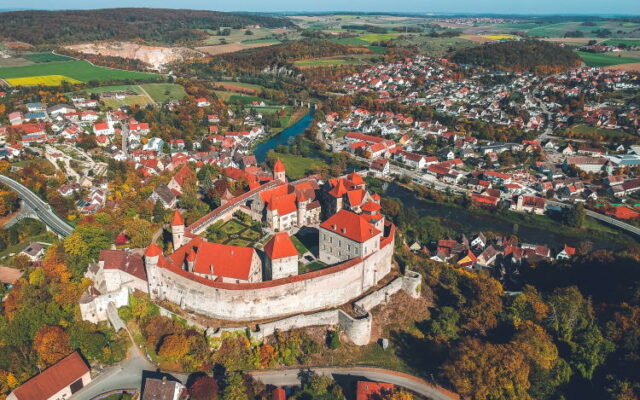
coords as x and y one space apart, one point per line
148 96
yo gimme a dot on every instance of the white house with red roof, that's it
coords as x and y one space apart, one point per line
346 235
282 257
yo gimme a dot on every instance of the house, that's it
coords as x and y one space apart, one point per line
531 204
416 161
165 195
34 251
162 389
380 167
202 102
16 118
566 253
372 390
59 381
103 129
36 107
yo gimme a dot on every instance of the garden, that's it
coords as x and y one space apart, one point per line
241 230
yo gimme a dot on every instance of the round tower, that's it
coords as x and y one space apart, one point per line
177 230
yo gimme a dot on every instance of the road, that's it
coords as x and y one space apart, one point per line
42 209
290 377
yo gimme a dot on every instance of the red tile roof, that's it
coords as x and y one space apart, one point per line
372 390
278 166
280 246
53 379
153 250
221 259
177 218
284 205
350 225
125 261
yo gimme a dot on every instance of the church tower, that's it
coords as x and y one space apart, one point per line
279 171
177 230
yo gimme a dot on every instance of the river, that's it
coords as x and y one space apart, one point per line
283 137
474 222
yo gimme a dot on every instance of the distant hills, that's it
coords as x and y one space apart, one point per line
520 55
148 24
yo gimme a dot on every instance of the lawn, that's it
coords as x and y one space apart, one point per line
603 60
78 70
163 92
297 166
606 133
45 57
234 233
626 42
299 246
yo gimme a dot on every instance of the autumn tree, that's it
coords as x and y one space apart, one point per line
204 388
52 344
174 347
234 388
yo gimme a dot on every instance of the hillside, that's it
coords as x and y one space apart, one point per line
520 56
159 25
287 53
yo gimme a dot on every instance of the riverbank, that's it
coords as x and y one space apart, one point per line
271 142
530 228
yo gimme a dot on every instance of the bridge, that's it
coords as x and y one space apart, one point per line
38 208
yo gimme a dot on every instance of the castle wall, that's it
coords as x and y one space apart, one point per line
279 298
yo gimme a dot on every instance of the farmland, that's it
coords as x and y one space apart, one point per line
80 71
45 57
626 42
604 60
163 92
42 80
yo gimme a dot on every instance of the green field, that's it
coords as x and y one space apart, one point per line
79 70
260 41
603 60
45 57
242 85
163 92
627 42
378 37
113 88
607 134
297 166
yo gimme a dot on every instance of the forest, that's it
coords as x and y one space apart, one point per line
524 55
153 25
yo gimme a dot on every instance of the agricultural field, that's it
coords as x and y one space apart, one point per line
45 57
235 98
80 71
163 92
261 41
605 59
42 80
434 47
619 29
140 98
626 42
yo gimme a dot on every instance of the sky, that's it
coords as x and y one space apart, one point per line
595 7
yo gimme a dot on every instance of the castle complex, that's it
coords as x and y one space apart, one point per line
233 283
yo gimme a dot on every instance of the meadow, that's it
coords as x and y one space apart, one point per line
164 92
81 71
604 59
45 57
626 42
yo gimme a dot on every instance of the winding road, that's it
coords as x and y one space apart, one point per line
291 377
39 206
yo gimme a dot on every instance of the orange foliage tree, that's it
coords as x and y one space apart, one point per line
52 344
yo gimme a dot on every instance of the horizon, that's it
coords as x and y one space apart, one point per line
614 8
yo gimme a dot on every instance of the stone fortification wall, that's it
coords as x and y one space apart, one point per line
306 293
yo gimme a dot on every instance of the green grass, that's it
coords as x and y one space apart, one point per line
627 42
45 57
80 70
163 92
260 41
113 88
352 41
299 246
606 133
242 85
312 266
603 60
378 37
297 166
232 227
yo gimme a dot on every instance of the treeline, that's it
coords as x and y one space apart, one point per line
162 25
130 64
519 56
285 53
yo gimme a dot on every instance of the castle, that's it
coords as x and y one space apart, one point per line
235 283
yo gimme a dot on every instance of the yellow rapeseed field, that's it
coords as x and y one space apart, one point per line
500 37
45 80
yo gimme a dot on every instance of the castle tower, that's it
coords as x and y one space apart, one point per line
302 209
151 257
279 171
177 230
282 257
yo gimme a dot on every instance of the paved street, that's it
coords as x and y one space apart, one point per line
289 377
42 209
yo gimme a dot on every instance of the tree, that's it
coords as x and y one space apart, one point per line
158 212
174 347
204 388
444 325
139 231
574 216
234 388
333 339
52 344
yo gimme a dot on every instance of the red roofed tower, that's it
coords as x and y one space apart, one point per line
177 230
282 257
279 171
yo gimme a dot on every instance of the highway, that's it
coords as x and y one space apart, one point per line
290 377
42 209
